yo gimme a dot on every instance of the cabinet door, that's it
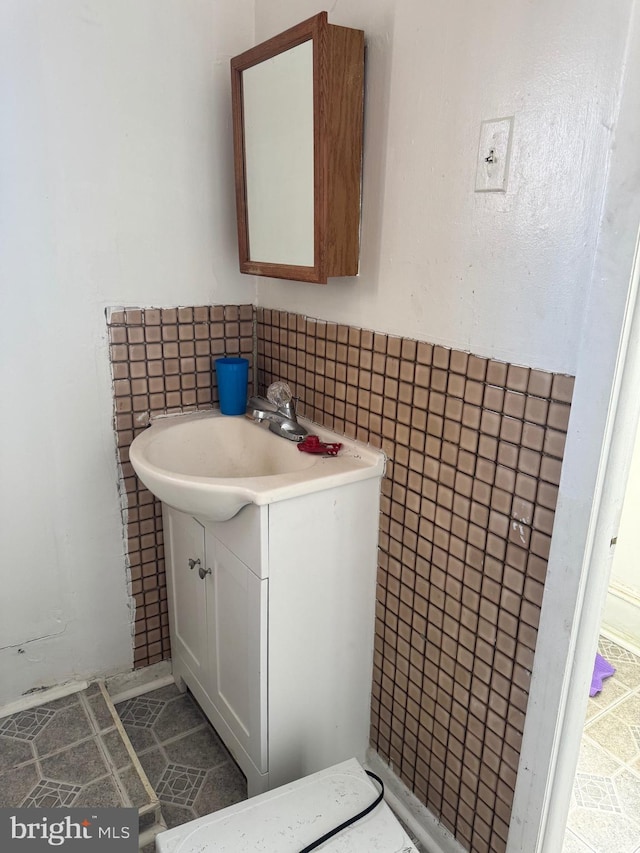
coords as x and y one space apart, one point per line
237 608
185 544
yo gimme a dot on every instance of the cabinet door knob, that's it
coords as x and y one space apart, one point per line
203 572
194 563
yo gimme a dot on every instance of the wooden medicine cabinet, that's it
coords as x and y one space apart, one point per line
297 127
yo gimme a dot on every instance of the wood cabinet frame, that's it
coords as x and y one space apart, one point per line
338 83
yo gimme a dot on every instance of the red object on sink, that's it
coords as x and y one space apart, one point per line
312 444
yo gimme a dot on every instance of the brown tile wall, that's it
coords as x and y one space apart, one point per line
475 449
161 362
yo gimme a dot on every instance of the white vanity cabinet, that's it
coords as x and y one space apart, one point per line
272 626
218 618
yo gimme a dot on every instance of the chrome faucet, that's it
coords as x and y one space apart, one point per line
278 411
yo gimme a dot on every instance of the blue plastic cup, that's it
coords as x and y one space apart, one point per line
233 376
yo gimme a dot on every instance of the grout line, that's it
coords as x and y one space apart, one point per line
161 744
631 692
52 754
113 774
581 839
174 738
86 704
153 797
603 711
623 765
635 773
609 755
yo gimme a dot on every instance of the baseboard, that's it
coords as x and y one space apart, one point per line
140 681
120 687
620 639
431 835
39 697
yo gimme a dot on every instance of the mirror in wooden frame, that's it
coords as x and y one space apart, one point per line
298 122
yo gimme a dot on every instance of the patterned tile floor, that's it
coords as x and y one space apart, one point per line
182 756
72 752
605 806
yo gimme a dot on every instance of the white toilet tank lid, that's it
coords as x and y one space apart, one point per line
289 818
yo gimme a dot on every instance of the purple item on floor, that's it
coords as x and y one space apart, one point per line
602 669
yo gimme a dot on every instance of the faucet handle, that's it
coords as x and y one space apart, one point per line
279 393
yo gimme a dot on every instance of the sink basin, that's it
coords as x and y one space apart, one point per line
211 465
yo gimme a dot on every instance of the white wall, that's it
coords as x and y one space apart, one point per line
117 189
604 415
621 618
501 275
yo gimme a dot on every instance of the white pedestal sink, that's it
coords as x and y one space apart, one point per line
211 465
